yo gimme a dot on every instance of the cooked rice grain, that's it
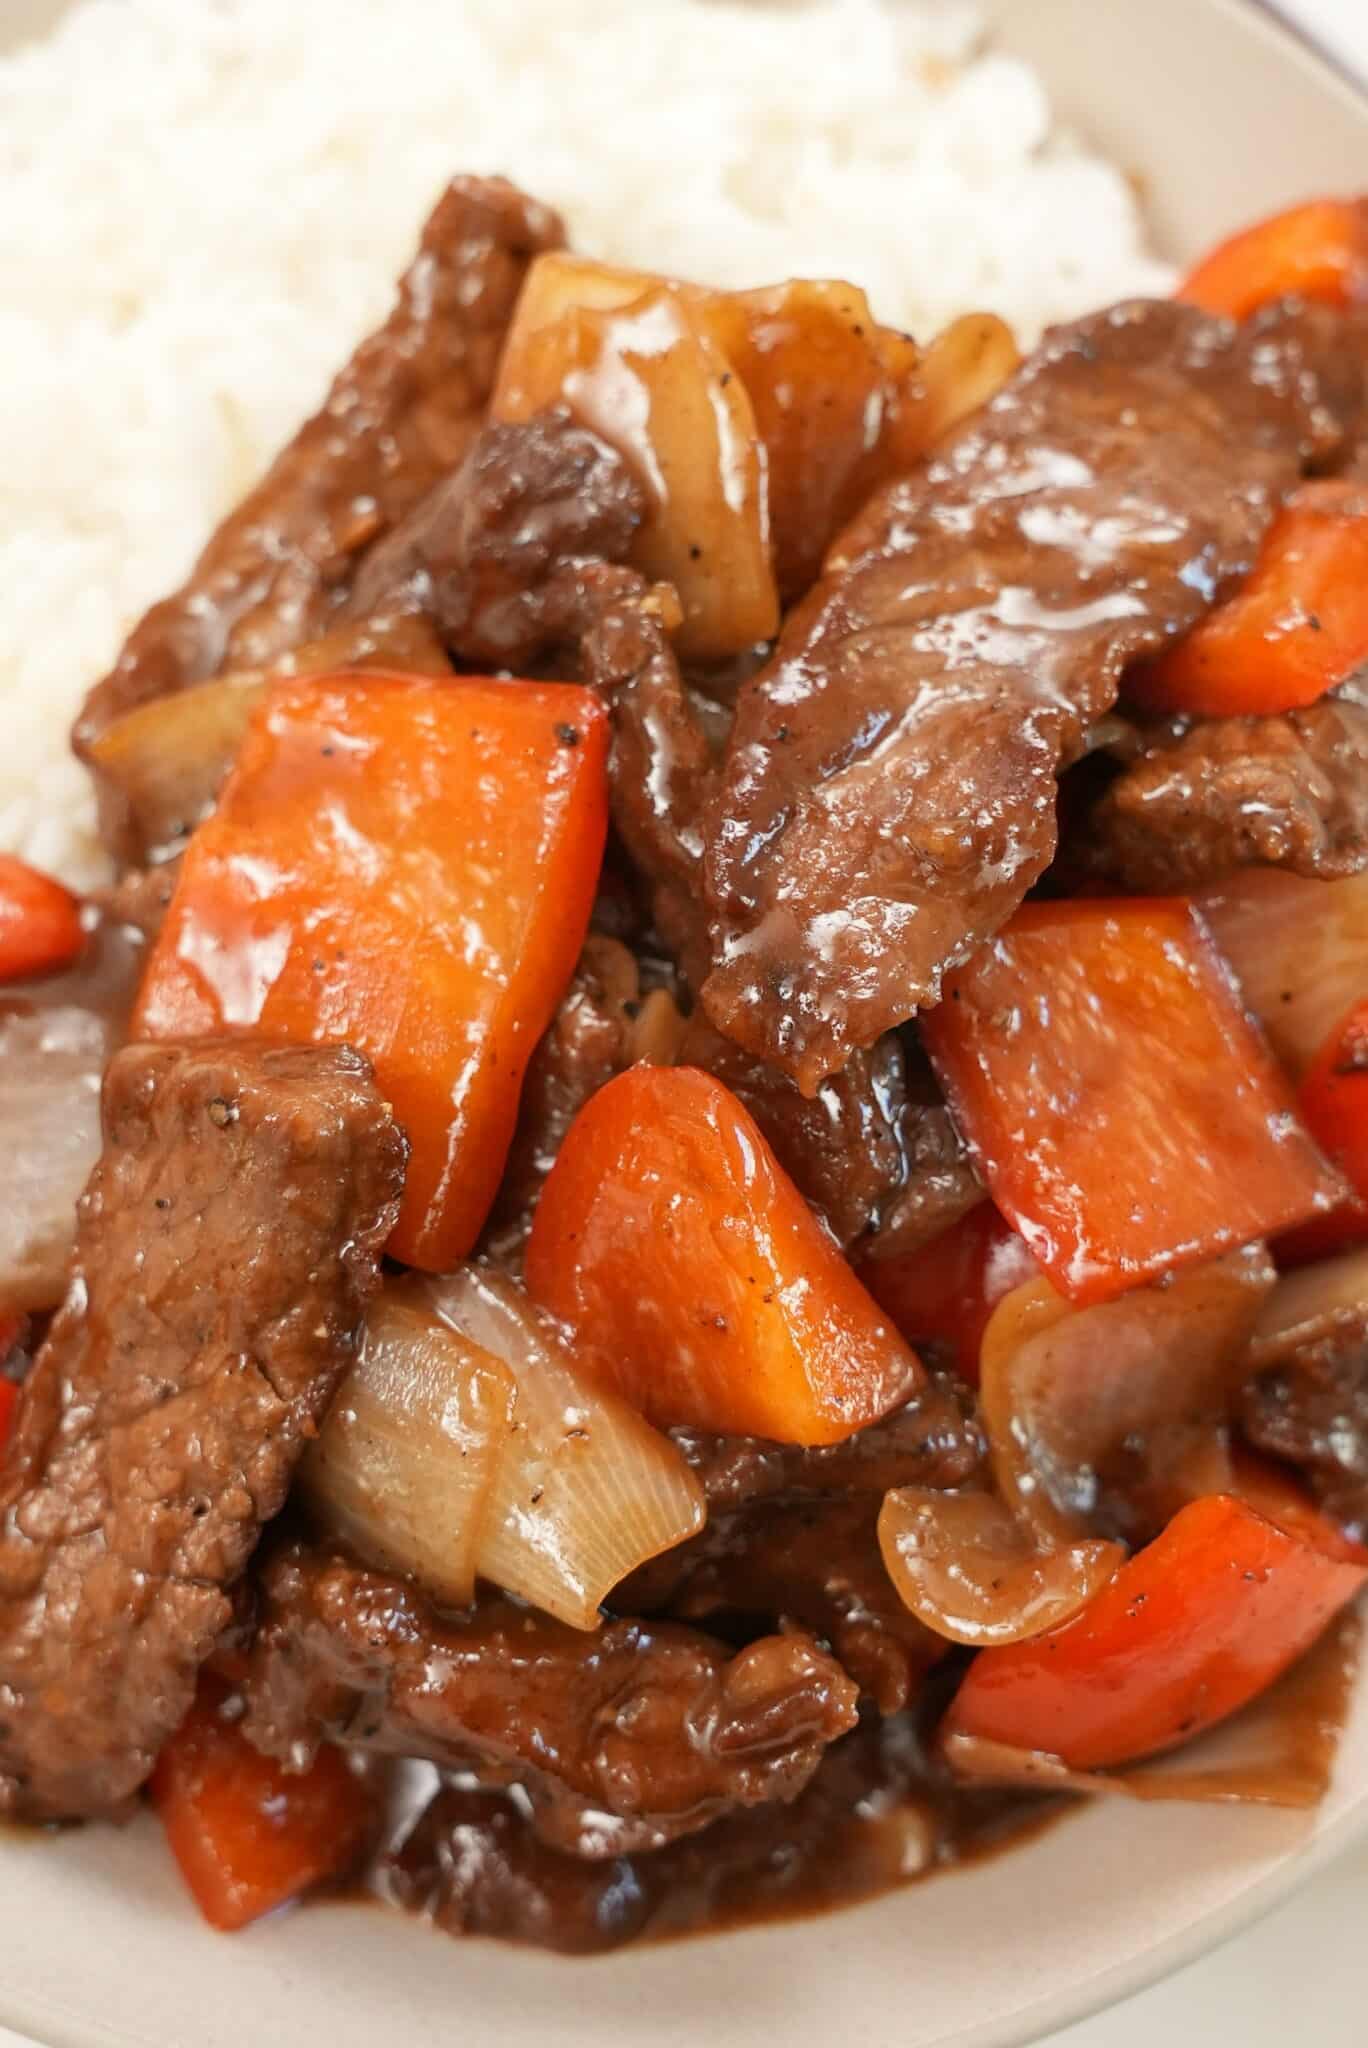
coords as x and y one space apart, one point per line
205 201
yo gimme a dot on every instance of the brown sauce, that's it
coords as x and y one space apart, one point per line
879 1816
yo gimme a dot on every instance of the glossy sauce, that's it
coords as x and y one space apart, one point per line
876 1819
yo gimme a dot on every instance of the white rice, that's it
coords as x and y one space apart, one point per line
204 202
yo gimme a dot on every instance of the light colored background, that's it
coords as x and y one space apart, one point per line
1305 1967
1304 1970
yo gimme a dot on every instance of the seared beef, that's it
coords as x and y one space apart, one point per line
1289 791
489 553
662 768
1312 1409
399 417
226 1245
869 1819
815 1563
622 1740
1333 342
889 792
934 1440
517 558
939 1183
591 1038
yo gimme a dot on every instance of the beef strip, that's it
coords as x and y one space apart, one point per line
1334 340
1196 804
226 1244
663 769
889 791
590 1039
1312 1409
400 416
813 1563
490 553
939 1183
871 1817
517 557
622 1739
934 1440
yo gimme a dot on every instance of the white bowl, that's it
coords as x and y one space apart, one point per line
1222 116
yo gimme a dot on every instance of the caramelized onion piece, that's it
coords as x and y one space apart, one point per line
1150 1376
167 760
586 1490
56 1037
404 1464
633 357
1299 949
967 364
1314 1302
759 421
964 1565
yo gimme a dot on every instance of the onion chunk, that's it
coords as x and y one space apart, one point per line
55 1039
1148 1378
404 1464
585 1489
970 1571
1299 949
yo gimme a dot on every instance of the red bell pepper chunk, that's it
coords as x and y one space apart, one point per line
1189 1630
1123 1111
1318 250
12 1328
40 922
1296 627
408 864
247 1834
670 1238
1333 1100
944 1292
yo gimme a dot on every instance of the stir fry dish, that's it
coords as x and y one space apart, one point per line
690 1234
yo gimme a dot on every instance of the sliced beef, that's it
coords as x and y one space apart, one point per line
889 790
489 553
517 557
934 1440
226 1244
815 1564
621 1740
399 417
590 1039
1333 342
869 1819
939 1182
1312 1409
1194 805
663 768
